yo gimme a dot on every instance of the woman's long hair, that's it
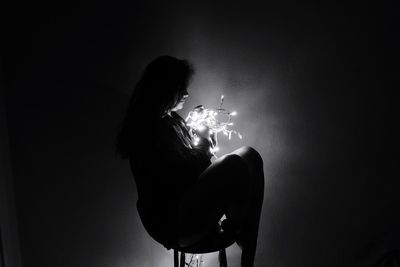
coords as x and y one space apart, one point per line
162 85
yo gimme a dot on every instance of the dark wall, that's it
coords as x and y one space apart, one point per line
9 241
313 94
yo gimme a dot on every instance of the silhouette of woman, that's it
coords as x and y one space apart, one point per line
181 194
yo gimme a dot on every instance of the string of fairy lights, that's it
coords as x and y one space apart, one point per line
215 120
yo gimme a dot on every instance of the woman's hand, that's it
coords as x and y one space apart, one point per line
207 134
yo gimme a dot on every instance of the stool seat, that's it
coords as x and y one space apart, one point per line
210 243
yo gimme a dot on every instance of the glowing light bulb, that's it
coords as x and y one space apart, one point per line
196 140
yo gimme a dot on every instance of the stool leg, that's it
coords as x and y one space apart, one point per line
222 258
176 259
183 259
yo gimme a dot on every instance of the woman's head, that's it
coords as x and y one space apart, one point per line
163 85
161 89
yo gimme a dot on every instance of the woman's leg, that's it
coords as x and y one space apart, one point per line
232 185
249 228
222 185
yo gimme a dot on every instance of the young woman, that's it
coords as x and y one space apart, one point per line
182 195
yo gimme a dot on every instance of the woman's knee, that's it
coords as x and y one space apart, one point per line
234 170
232 162
249 152
254 163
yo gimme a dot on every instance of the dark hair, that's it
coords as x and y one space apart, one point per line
162 85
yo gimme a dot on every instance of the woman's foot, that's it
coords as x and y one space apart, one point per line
247 259
248 247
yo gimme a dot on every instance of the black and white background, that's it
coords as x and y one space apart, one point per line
314 94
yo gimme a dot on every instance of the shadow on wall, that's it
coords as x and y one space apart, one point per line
76 200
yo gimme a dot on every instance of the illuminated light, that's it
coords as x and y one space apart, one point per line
201 128
201 118
196 140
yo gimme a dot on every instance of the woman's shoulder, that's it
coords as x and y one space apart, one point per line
165 125
171 122
181 121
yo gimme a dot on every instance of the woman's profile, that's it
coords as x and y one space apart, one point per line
181 194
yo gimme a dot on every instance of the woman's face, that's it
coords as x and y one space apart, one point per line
181 102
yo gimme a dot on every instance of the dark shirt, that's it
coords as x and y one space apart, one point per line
165 165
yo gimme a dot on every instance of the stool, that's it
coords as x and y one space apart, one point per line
218 241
